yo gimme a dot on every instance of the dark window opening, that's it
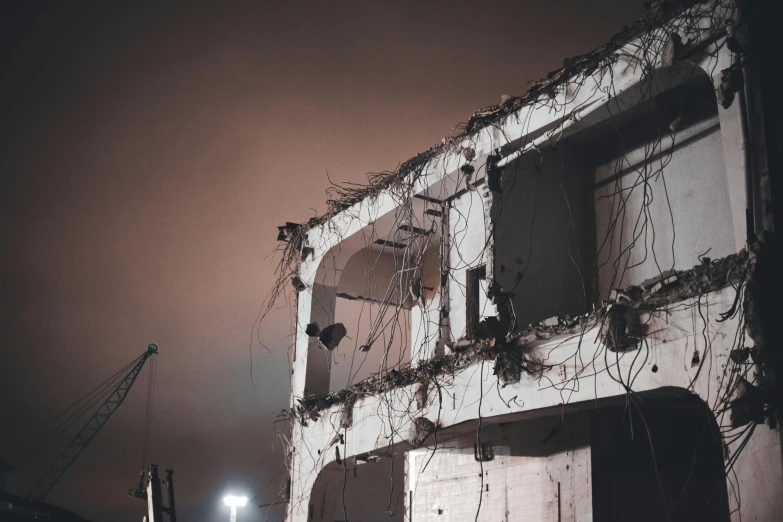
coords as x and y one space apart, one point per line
476 297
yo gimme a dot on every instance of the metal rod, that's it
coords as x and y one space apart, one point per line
172 505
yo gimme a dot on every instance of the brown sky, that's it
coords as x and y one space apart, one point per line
149 151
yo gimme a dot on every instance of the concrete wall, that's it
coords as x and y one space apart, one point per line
540 471
424 327
468 241
539 234
384 421
663 213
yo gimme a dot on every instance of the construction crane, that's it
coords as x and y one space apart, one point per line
90 429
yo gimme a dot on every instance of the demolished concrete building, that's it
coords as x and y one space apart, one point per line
571 303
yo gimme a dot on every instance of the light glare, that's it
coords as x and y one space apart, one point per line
231 500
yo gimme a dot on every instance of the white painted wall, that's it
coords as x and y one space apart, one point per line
520 484
468 241
687 213
758 476
677 336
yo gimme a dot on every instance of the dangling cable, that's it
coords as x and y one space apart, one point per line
30 445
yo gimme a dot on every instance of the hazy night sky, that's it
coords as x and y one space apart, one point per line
149 150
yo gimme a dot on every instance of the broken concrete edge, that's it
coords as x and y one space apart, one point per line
421 431
673 287
510 355
341 198
427 371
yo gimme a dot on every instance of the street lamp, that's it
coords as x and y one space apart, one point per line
234 502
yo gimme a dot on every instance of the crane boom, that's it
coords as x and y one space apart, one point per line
90 429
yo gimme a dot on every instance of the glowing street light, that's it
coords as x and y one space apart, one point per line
234 502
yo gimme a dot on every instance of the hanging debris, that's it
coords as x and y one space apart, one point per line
332 335
748 406
286 232
312 330
298 284
420 431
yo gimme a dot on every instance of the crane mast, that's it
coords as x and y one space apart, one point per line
90 429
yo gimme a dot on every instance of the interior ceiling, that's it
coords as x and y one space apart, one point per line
412 227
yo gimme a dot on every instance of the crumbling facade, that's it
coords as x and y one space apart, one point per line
568 309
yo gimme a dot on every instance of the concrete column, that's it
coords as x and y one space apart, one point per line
733 142
319 360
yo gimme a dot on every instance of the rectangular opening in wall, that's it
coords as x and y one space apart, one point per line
378 339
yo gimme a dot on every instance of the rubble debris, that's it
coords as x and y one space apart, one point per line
341 198
677 286
618 295
381 383
346 415
421 429
614 330
298 284
548 328
467 169
675 124
461 345
492 328
367 457
312 330
508 366
306 252
659 282
761 314
287 231
732 80
740 355
664 278
636 327
469 153
332 335
748 406
511 360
